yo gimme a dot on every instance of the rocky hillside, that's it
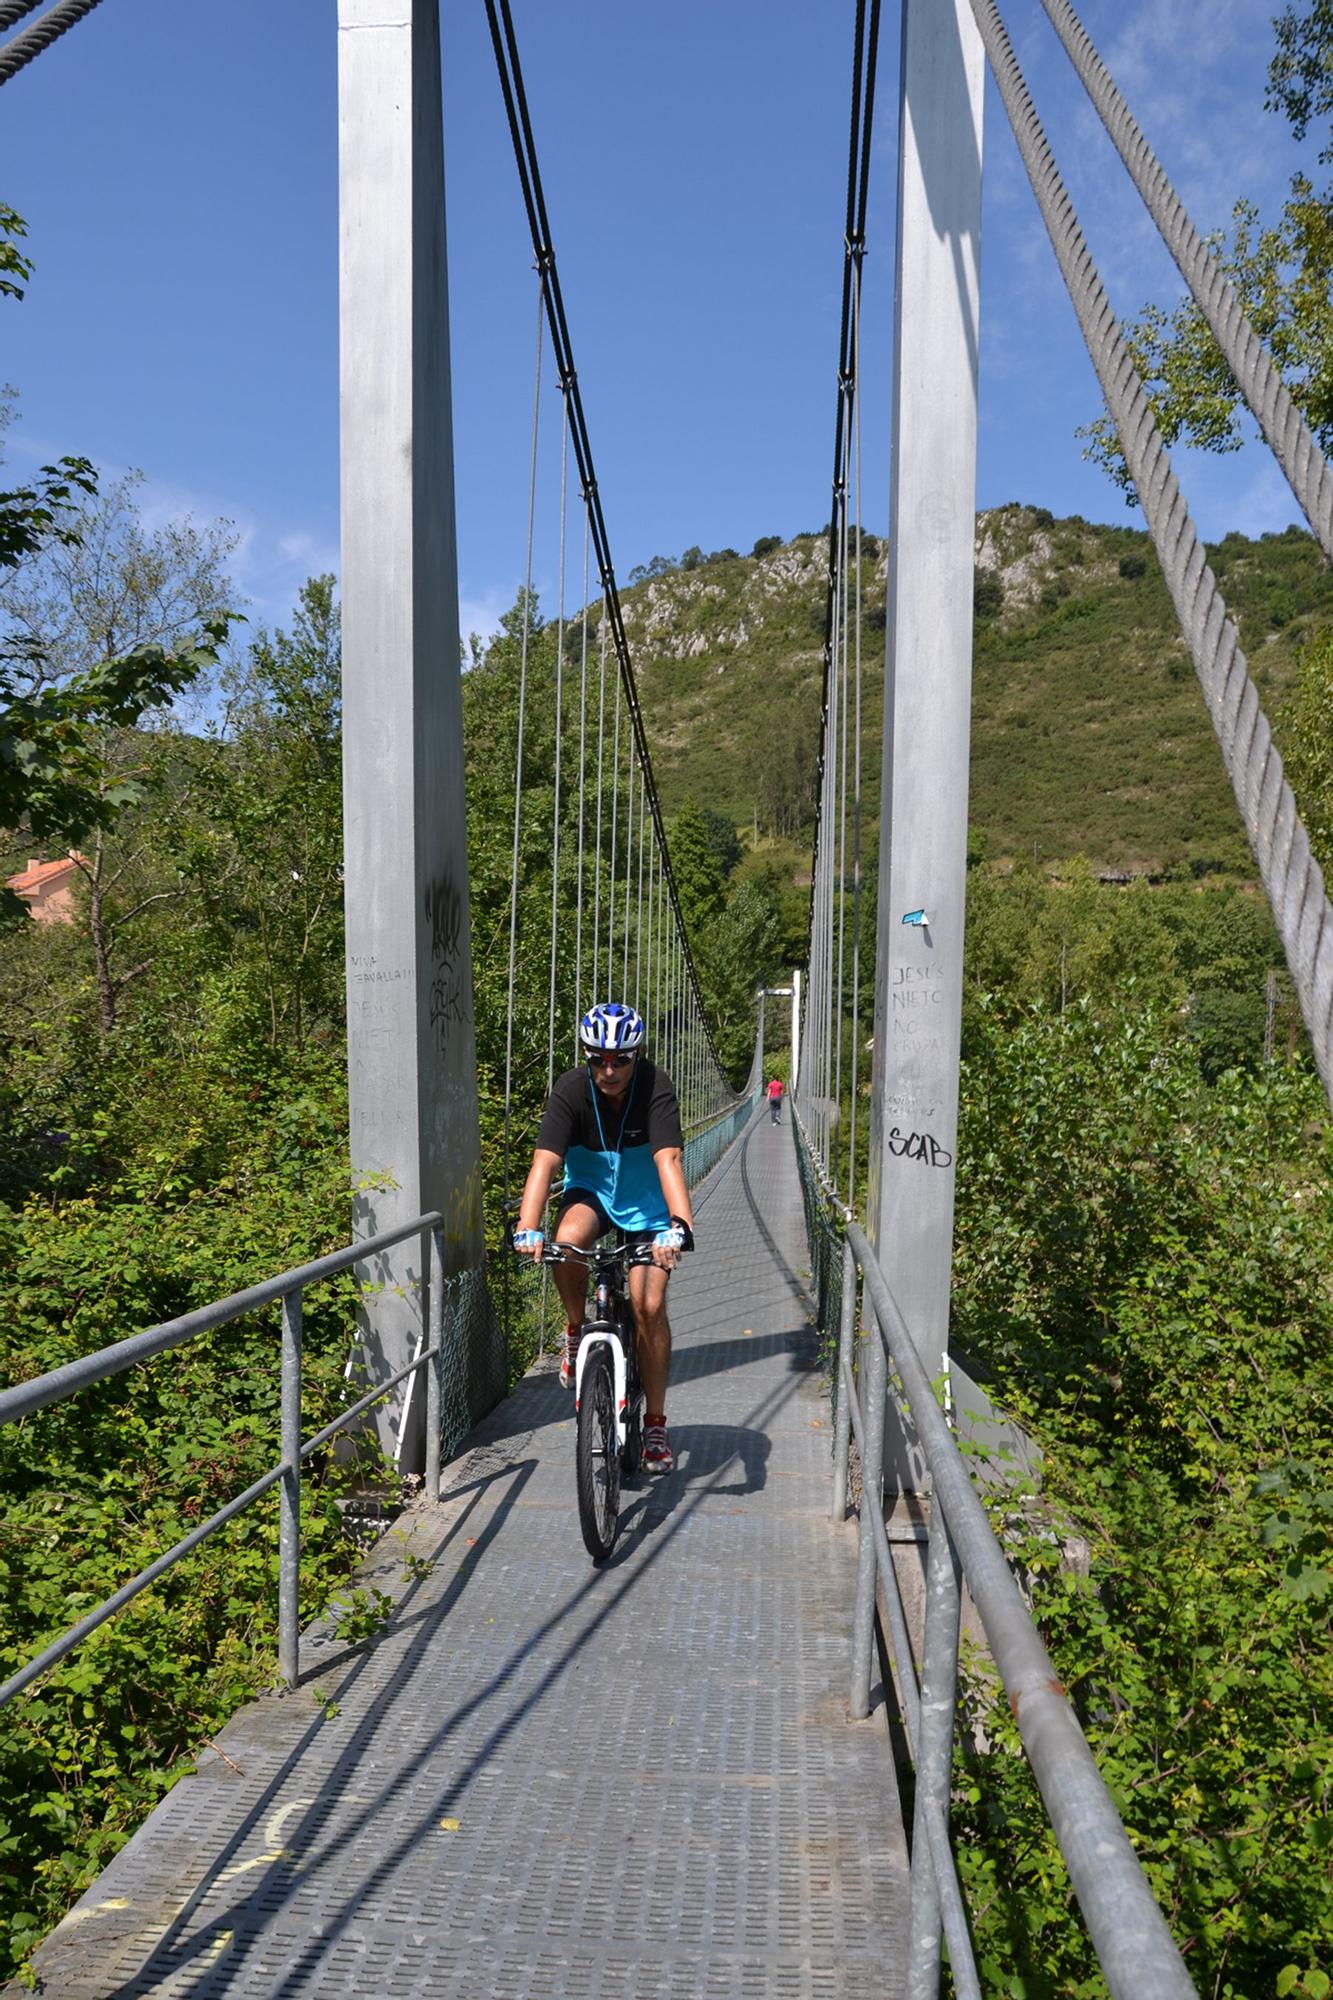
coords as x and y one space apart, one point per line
1089 733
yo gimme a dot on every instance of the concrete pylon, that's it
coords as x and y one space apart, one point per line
411 1051
928 681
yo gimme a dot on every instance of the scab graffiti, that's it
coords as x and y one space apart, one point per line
922 1146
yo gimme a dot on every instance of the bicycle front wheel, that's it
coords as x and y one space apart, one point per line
597 1457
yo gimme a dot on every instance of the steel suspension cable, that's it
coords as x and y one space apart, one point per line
505 46
1292 878
629 871
580 989
638 913
605 989
841 869
865 57
13 11
559 732
27 46
1285 429
601 765
518 750
856 767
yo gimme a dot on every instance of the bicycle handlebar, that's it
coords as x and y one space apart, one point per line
628 1254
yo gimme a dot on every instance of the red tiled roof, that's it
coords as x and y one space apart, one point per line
38 872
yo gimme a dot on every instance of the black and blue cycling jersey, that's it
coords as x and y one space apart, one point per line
609 1149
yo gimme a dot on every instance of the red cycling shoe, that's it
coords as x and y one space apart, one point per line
569 1360
657 1456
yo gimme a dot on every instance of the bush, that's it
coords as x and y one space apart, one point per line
987 594
766 544
1227 1029
1132 566
1141 1265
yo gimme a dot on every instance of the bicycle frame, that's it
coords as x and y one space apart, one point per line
619 1373
610 1271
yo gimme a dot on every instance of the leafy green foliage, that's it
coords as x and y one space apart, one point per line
1141 1272
197 1147
52 773
15 267
32 516
1281 273
1300 76
1305 733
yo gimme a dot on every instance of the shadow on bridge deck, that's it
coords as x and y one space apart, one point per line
546 1780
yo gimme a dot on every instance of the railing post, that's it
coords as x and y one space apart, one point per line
842 1435
934 1754
289 1538
434 1261
872 1478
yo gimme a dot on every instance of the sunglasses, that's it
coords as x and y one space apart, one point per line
599 1059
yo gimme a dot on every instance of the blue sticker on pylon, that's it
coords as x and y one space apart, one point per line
919 918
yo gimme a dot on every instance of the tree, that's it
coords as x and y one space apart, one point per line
257 836
723 838
62 703
1281 273
1306 734
100 623
695 864
743 949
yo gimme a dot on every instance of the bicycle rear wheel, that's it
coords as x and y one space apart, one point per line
597 1457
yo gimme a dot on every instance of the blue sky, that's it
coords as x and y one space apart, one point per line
177 168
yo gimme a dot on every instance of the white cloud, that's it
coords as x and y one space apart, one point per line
481 613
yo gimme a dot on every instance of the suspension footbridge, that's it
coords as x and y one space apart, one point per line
725 1763
549 1779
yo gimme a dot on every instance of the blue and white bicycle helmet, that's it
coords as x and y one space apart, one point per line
611 1028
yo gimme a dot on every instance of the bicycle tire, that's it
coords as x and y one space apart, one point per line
597 1457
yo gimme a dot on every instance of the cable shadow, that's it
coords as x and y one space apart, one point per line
717 1357
683 1499
161 1961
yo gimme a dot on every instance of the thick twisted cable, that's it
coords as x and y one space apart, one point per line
1307 470
12 12
17 54
1291 876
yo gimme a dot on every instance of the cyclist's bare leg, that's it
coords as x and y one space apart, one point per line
580 1225
647 1292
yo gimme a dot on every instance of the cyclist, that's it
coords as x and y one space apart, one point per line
615 1127
775 1101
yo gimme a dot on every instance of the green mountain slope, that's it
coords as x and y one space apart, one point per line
1089 731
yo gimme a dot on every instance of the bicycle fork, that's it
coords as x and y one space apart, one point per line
619 1377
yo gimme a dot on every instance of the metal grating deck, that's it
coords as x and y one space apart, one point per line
655 1787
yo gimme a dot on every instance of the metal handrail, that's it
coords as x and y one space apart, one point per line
60 1383
711 1118
1137 1953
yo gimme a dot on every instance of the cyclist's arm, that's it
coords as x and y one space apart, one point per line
537 1190
670 1164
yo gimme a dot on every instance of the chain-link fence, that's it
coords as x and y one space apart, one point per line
475 1363
704 1149
824 1234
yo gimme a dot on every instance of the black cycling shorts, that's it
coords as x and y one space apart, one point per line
584 1198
